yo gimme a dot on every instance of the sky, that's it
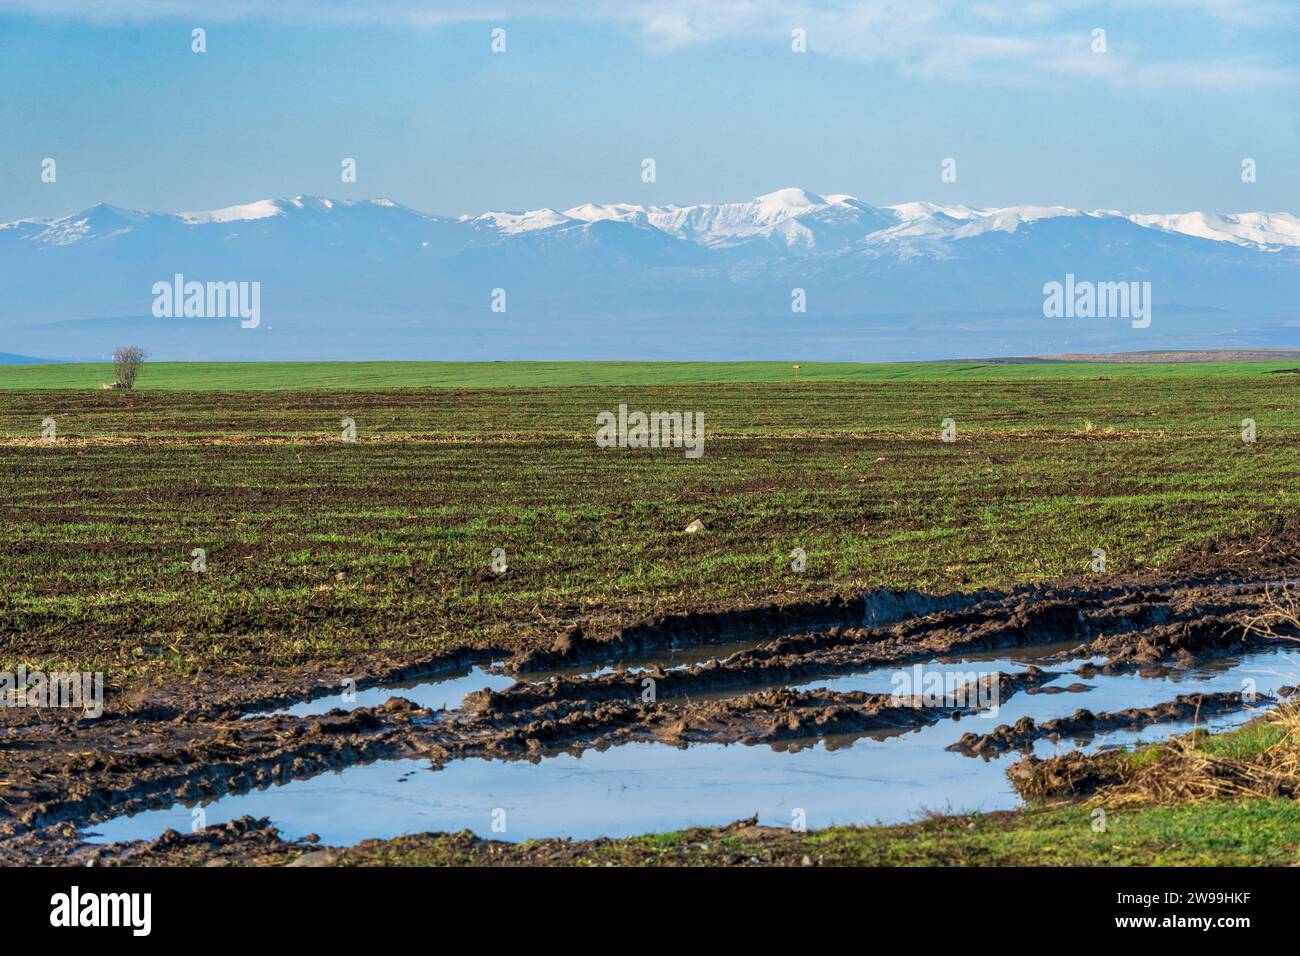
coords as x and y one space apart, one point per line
1160 121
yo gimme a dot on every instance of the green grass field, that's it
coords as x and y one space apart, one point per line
322 551
239 376
1245 833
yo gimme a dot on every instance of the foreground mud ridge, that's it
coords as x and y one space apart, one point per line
1084 724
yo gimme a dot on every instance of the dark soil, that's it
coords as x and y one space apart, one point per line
1083 725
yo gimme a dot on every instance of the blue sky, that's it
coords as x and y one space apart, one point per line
1160 122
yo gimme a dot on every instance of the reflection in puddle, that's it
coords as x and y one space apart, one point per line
448 689
623 791
643 788
445 690
668 658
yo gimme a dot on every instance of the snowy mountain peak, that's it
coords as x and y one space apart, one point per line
791 201
513 223
1260 229
619 212
262 209
792 220
268 208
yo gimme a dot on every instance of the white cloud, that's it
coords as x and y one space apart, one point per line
1012 40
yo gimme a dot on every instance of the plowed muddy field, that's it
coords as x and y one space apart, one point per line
351 664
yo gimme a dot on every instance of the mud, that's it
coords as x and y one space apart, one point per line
1065 777
160 745
1083 724
1179 770
768 716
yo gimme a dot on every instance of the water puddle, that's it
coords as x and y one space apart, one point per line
448 689
643 788
669 658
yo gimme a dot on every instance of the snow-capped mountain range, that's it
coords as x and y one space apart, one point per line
794 219
801 221
375 279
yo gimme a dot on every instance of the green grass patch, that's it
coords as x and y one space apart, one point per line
207 376
1245 833
1246 742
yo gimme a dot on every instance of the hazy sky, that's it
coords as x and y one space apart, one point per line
1159 122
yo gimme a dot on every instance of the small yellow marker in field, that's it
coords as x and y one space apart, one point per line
796 372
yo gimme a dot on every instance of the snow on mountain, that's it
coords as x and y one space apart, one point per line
614 212
802 221
351 279
1260 229
923 220
793 220
262 209
99 221
514 223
